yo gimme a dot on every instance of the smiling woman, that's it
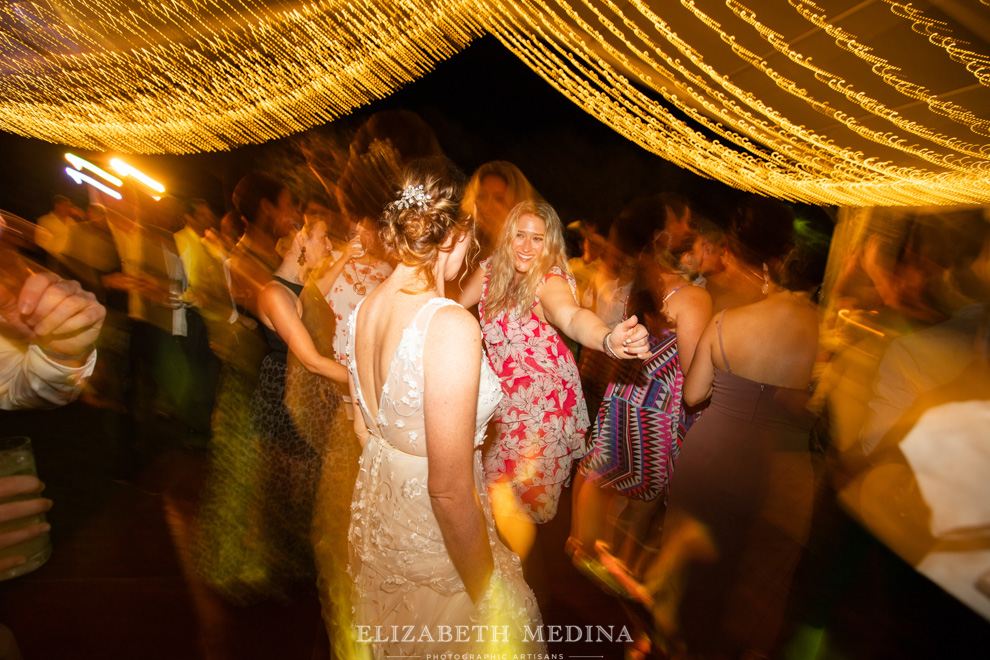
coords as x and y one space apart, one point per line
526 295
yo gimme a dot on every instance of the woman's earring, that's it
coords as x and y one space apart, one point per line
302 256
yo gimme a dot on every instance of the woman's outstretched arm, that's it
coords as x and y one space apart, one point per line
628 339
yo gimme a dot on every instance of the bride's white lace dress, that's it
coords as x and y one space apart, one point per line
408 597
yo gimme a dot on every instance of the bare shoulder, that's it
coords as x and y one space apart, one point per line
555 284
275 292
692 296
454 324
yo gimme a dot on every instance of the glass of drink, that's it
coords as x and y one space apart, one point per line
16 458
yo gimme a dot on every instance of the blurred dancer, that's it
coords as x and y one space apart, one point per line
266 472
589 258
356 271
424 552
741 496
55 226
761 233
641 423
493 190
704 259
526 296
291 452
48 332
644 221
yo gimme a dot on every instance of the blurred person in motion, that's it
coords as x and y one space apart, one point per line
353 272
642 222
253 534
294 419
642 422
493 190
54 228
589 255
526 296
705 258
761 233
918 362
424 550
48 332
741 497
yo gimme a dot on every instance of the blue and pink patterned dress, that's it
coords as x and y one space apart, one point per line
641 424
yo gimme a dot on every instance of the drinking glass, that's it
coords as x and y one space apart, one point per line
17 458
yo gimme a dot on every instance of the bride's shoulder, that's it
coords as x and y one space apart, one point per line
453 326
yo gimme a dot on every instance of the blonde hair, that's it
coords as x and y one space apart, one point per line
504 293
414 232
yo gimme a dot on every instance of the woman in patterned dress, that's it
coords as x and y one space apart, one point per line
642 421
526 295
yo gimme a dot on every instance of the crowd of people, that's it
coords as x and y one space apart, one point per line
400 379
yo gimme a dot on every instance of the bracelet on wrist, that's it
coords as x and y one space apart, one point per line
607 347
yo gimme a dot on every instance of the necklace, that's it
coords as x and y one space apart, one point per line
358 284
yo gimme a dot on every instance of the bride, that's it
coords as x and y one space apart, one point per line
430 575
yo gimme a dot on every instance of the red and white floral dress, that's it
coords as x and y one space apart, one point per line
542 417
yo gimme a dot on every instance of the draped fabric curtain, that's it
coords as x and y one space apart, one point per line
860 103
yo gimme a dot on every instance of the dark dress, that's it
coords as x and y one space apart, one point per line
745 473
294 412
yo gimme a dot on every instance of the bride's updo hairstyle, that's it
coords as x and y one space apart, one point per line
424 214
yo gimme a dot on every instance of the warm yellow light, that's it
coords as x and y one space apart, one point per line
127 170
168 76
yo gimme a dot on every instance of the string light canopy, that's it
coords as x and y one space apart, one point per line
184 76
863 103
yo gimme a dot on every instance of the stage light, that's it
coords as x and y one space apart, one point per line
79 178
127 170
83 164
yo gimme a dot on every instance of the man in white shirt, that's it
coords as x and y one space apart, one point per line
48 331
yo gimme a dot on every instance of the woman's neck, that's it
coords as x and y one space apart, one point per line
290 270
408 279
367 259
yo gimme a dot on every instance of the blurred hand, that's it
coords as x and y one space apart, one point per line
354 249
56 314
12 487
119 281
630 339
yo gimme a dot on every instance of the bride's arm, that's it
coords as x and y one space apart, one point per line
359 428
451 369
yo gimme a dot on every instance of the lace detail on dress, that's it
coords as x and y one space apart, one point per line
399 564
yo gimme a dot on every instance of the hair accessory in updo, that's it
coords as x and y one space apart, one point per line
412 196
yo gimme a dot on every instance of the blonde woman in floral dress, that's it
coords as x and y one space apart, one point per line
526 295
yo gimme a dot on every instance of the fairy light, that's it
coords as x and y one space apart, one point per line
83 164
127 170
172 76
80 178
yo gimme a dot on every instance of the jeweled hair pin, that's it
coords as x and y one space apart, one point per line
412 196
